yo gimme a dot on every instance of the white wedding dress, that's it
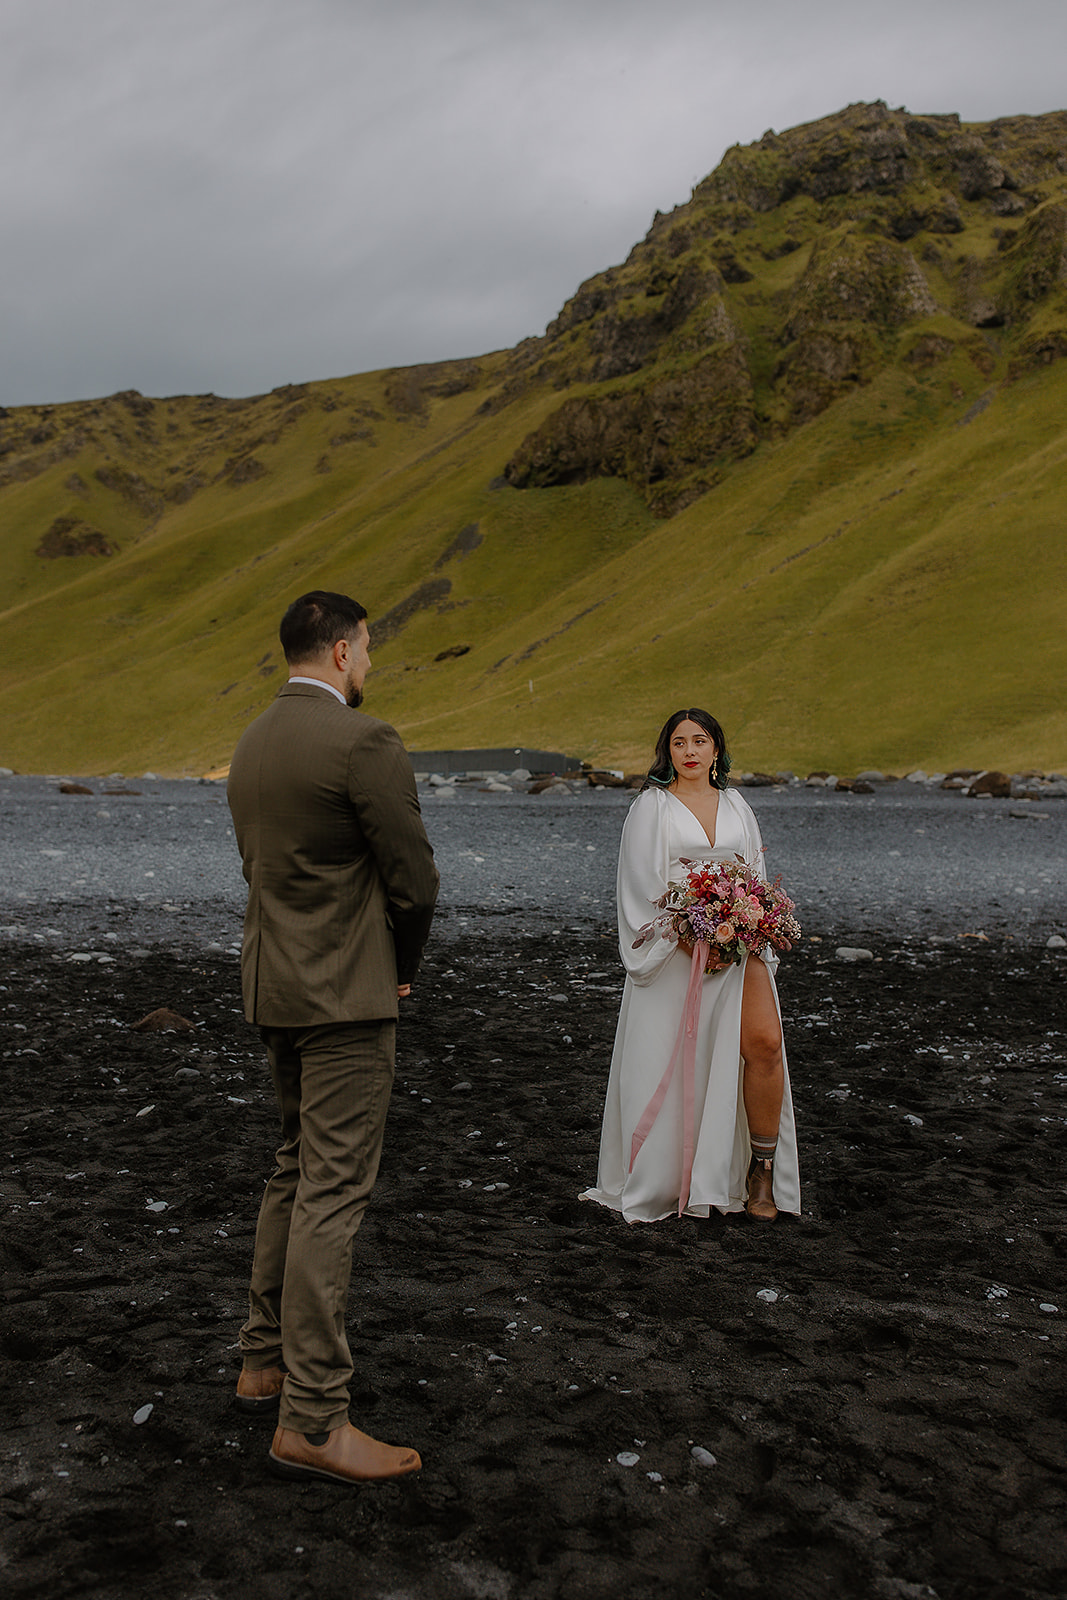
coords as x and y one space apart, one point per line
659 831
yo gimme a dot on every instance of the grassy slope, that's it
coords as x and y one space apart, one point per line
881 587
832 607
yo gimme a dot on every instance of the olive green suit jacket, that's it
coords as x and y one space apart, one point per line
341 876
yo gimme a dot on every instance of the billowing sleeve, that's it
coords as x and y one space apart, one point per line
754 858
644 865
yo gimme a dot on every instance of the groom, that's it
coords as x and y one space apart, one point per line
341 891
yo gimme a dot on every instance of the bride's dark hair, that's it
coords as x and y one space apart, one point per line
662 771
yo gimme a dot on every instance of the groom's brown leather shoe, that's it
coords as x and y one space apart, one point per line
760 1203
345 1455
257 1392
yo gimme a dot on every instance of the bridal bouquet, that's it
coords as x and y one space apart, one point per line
727 906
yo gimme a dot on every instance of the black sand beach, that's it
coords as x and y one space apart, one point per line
866 1401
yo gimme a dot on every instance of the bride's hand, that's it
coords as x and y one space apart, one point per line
713 962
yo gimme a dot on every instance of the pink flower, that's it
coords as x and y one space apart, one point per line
748 911
724 933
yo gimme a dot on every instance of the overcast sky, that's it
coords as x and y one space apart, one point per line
229 195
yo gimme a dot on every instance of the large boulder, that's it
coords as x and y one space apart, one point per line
997 784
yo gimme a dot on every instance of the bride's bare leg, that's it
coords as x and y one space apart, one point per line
761 1047
761 1085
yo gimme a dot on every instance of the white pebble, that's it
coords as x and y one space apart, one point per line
627 1458
770 1295
1048 1308
156 1205
916 1122
143 1414
702 1457
846 952
654 1477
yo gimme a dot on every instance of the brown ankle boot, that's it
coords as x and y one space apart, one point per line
760 1203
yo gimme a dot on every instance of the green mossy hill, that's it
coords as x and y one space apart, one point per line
798 270
802 459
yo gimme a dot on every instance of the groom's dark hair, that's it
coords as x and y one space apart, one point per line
316 621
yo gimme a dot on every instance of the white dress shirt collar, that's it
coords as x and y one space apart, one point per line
320 685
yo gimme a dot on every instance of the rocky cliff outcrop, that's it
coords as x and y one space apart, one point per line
803 266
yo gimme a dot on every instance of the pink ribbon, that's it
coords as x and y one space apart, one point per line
685 1048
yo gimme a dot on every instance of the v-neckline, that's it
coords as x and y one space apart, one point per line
696 819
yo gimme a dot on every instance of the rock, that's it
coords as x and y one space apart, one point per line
520 775
853 953
492 787
1056 941
67 787
436 781
870 777
768 1295
443 791
702 1457
163 1020
677 423
817 780
997 784
187 1074
918 776
627 1458
862 786
142 1415
7 772
550 785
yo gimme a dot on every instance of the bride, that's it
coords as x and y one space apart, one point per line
744 1152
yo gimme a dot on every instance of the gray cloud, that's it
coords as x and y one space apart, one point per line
232 196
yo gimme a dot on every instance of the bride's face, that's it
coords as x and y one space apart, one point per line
692 752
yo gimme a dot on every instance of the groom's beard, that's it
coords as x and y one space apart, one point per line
353 696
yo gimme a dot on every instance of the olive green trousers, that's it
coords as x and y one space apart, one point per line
332 1084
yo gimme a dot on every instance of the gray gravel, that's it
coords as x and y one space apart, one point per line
161 865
